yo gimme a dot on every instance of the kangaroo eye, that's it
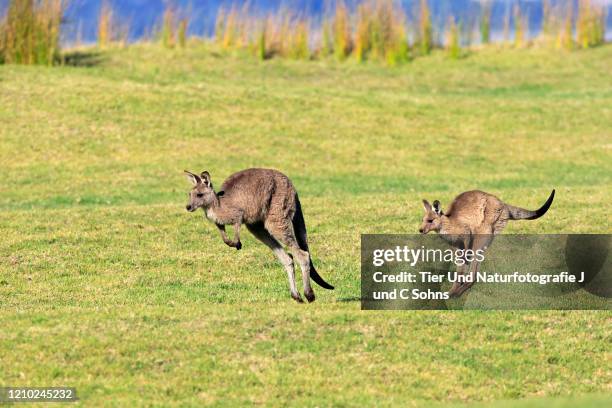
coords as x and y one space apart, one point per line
429 220
200 195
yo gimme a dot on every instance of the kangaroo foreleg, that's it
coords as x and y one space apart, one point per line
236 242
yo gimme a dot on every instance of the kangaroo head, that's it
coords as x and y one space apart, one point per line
202 193
432 218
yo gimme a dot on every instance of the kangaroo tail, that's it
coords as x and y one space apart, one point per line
299 227
517 213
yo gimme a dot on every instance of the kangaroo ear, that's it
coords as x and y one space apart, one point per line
426 205
193 178
206 178
436 206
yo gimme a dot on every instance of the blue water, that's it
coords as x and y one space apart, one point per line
144 16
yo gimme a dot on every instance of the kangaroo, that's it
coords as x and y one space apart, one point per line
471 222
267 203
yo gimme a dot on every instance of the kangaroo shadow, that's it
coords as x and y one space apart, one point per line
83 59
350 299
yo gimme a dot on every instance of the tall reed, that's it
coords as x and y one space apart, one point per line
485 23
381 32
261 46
565 34
230 33
235 28
549 21
519 27
111 30
590 24
506 30
327 46
363 31
220 25
342 31
376 29
453 46
173 30
168 28
30 32
425 35
298 41
182 32
391 27
105 24
283 35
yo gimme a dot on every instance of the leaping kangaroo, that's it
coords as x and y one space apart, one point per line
471 222
267 203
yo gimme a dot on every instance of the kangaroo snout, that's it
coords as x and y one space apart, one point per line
188 208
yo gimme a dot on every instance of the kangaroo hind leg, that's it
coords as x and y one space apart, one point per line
283 232
480 242
285 259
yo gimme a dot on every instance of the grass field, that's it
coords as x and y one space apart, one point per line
107 284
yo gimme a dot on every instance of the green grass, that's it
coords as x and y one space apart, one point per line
108 285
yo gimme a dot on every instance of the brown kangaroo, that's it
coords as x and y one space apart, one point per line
471 222
267 203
